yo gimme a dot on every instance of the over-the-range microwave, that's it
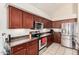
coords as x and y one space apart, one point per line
38 25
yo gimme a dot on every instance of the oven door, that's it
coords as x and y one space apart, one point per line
42 43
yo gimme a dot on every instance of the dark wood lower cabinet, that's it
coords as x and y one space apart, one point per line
49 40
57 37
32 48
20 52
29 48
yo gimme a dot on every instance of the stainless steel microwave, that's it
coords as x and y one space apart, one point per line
38 25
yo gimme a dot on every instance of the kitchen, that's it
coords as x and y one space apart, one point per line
30 33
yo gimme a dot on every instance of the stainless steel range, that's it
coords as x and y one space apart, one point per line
42 40
42 44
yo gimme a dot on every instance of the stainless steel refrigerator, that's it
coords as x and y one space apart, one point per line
67 38
76 35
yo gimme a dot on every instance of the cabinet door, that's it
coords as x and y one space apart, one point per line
56 24
19 49
27 20
49 24
45 22
20 52
15 17
49 40
32 48
37 18
57 37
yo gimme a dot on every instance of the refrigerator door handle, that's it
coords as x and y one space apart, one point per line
62 31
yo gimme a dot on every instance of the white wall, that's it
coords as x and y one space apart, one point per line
64 12
3 16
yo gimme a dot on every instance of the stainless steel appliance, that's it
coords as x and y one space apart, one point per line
67 35
42 40
70 35
76 35
42 44
38 25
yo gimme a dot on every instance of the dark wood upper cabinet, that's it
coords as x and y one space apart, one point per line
58 24
69 20
50 24
22 19
37 18
47 23
15 17
27 20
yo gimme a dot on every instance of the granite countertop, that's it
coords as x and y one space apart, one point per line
45 35
18 41
21 41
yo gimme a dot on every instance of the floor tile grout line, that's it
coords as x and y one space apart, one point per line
56 50
64 50
72 51
58 46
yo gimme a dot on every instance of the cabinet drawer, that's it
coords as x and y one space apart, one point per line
20 52
33 42
32 50
17 48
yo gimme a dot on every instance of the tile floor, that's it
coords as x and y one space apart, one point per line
57 49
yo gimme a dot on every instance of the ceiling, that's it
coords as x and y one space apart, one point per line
48 8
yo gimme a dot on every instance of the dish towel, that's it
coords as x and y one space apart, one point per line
43 40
